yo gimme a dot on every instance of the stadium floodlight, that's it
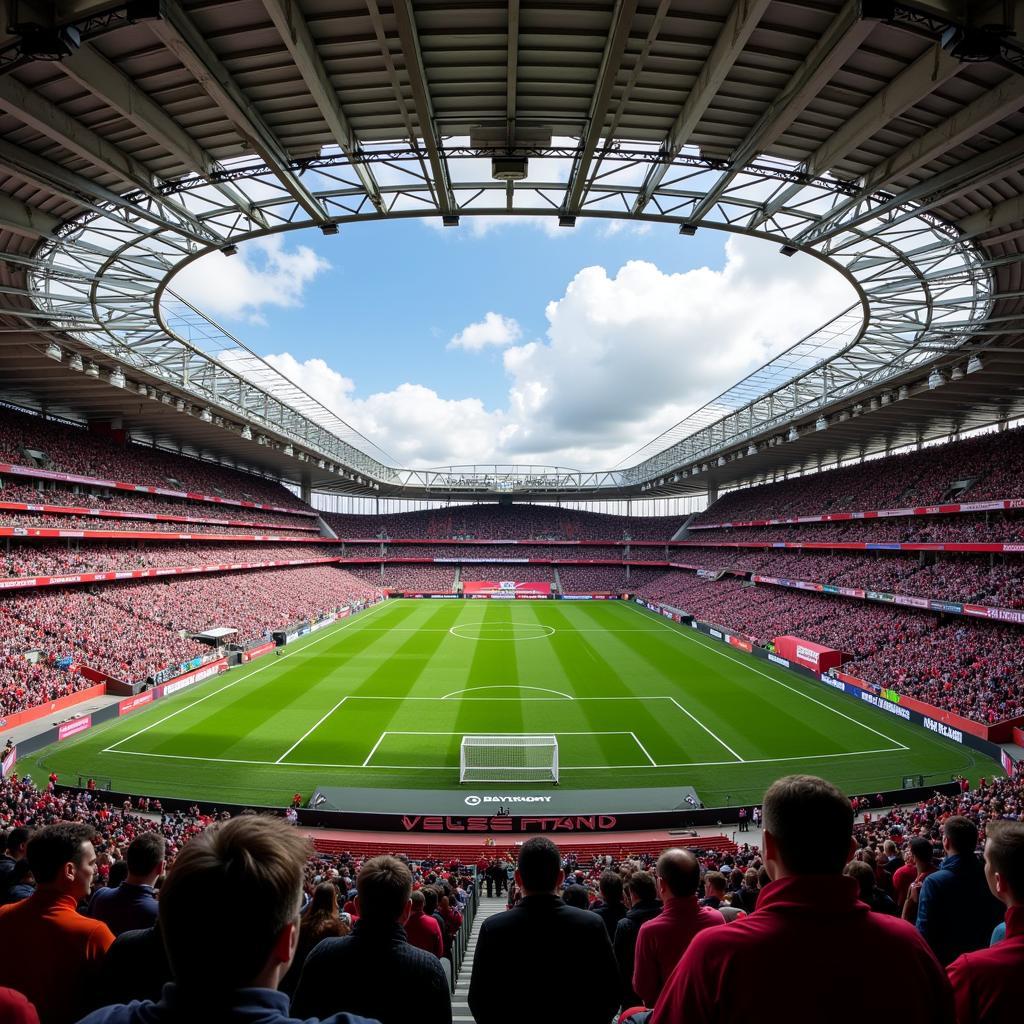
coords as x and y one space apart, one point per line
873 405
165 399
885 399
752 449
246 432
957 373
793 434
329 228
721 460
180 405
142 390
229 250
54 351
92 370
289 450
508 758
821 423
904 393
935 380
974 364
117 377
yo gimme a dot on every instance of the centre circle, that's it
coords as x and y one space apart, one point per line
501 631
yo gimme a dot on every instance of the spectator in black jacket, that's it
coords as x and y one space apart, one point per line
956 912
611 910
642 894
14 850
375 970
526 956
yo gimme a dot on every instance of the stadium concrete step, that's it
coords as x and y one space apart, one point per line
489 906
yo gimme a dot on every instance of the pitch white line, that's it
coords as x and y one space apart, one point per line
793 689
235 682
644 749
462 732
451 768
311 729
509 686
380 739
713 735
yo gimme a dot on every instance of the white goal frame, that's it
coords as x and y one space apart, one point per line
517 757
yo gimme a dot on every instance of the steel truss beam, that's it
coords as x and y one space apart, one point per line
176 31
924 293
295 35
741 22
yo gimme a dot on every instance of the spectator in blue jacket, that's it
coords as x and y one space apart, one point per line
132 904
956 911
229 915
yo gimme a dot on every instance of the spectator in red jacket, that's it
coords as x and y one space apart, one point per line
810 932
663 940
422 930
986 984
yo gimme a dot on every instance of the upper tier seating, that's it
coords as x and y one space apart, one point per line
32 441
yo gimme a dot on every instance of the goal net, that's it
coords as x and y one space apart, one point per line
517 758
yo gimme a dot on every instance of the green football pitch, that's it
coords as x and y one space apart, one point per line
383 699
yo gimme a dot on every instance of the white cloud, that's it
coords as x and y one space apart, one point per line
624 357
263 273
494 329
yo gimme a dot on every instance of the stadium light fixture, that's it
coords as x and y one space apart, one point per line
935 379
844 416
566 221
54 351
246 433
821 423
289 450
974 364
117 377
229 250
142 390
873 405
92 370
793 434
789 250
206 416
957 373
885 399
450 220
904 393
721 460
752 449
688 229
858 409
75 362
165 399
179 405
329 229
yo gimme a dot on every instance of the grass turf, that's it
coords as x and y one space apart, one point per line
384 699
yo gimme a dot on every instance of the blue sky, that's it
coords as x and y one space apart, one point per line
587 342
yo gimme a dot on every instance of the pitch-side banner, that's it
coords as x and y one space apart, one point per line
505 589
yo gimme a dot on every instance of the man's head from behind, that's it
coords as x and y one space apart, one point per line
1004 861
63 858
384 885
641 887
611 887
229 909
16 842
959 836
808 826
921 852
540 866
145 857
678 874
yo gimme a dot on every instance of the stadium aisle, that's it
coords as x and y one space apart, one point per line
489 906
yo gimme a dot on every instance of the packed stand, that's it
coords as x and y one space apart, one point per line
137 508
61 558
497 522
130 631
411 577
69 449
972 668
990 466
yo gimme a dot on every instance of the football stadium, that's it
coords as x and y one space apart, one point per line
369 654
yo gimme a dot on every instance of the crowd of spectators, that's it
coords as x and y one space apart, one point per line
412 577
133 511
64 557
132 631
971 667
502 522
29 440
686 935
959 528
990 466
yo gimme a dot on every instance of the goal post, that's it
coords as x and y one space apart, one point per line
508 758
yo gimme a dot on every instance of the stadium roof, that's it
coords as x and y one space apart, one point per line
886 138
